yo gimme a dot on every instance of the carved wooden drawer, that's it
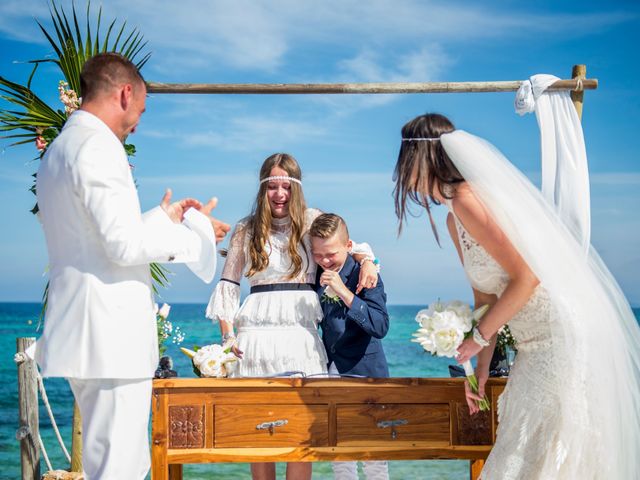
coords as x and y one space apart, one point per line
271 425
186 426
385 424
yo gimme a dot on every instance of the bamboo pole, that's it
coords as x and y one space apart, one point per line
577 96
28 412
356 88
76 440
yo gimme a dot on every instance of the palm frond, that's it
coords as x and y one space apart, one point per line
73 46
35 114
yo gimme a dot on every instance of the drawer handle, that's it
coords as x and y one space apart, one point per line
271 425
393 424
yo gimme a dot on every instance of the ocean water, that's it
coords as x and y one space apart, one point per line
405 359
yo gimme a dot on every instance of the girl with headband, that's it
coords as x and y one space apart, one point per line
275 330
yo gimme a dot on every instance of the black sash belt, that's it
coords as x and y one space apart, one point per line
278 287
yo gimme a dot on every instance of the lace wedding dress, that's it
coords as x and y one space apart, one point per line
527 440
571 408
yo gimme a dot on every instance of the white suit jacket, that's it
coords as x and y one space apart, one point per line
99 320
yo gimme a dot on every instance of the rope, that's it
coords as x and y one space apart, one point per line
45 400
22 432
44 453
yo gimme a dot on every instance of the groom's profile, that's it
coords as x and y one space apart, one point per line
100 331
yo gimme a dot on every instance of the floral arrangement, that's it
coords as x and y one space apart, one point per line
505 340
210 360
165 329
330 296
443 327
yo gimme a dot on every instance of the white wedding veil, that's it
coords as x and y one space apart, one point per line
596 338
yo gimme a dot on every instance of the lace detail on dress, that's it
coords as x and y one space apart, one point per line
532 419
484 273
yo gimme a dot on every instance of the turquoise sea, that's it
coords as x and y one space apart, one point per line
406 359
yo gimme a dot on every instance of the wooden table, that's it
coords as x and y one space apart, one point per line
208 420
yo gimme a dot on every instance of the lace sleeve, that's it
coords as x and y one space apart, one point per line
310 215
362 249
225 299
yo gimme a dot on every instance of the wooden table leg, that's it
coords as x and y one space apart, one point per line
476 469
175 471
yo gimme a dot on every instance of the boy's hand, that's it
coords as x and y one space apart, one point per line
332 279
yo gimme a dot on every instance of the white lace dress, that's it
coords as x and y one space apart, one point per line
527 445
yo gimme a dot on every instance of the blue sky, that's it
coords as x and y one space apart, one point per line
347 145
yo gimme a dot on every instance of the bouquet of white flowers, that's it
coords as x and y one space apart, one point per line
443 327
210 360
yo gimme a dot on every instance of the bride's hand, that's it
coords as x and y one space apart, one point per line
474 398
467 350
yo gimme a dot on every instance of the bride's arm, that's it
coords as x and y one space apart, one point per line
522 281
479 299
485 355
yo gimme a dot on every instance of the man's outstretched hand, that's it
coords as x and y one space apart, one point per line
176 210
220 228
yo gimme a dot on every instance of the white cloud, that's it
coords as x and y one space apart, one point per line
244 133
261 36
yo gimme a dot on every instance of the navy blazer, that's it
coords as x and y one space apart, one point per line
352 336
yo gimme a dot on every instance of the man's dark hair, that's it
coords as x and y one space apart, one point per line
106 71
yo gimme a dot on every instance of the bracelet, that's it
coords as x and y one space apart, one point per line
227 336
479 339
375 261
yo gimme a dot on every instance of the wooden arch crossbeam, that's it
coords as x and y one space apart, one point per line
577 84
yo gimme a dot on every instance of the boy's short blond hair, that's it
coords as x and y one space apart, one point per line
327 225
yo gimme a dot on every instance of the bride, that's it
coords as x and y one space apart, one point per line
571 408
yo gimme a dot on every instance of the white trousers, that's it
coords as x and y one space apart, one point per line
115 427
377 470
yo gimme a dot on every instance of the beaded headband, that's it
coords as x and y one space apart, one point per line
421 139
280 177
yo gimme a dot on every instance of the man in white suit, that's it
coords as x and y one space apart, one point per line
100 328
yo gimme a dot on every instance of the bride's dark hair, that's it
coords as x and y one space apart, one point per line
422 166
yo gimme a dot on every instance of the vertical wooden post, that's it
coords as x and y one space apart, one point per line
160 469
28 408
76 440
476 469
578 71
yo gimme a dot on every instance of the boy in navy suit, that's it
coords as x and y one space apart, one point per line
353 324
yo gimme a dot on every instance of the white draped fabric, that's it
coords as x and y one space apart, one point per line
565 175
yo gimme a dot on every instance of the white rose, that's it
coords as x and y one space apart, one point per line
448 319
211 367
206 352
447 341
461 309
330 293
423 317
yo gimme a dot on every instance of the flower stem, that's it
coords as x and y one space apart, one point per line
483 404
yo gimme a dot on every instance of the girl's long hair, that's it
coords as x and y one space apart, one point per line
260 220
423 164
